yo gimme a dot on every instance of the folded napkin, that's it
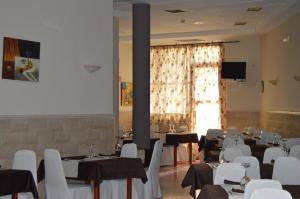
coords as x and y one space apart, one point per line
237 190
231 182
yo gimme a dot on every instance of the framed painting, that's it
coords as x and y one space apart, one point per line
21 60
126 94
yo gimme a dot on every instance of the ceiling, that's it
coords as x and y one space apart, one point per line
217 18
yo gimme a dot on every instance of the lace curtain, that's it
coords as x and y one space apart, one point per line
182 79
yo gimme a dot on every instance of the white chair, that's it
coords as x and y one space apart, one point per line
129 150
229 154
246 150
151 189
269 137
24 160
271 154
260 184
253 172
229 171
268 193
295 151
113 189
287 171
55 181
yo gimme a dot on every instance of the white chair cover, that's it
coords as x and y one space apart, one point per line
253 172
246 150
295 151
272 154
289 142
229 171
24 160
55 181
287 171
269 193
229 154
129 150
151 189
260 184
268 137
167 157
230 141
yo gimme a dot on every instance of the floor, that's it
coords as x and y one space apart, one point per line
170 182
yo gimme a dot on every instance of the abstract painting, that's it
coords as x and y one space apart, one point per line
21 60
126 93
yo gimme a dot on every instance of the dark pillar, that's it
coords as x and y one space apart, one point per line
141 75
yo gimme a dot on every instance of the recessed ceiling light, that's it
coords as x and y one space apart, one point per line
198 22
254 9
240 23
175 11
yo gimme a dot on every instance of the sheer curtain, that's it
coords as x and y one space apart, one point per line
186 86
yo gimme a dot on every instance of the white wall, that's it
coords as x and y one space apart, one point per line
245 96
281 60
72 33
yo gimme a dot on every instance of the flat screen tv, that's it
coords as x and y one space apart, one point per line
233 70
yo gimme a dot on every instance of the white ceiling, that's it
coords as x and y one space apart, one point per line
218 17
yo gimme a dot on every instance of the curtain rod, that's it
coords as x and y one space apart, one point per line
224 42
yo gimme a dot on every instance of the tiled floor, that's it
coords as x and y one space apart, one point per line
170 182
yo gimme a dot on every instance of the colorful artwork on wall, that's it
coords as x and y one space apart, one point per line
126 93
21 60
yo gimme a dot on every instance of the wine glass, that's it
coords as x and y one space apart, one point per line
245 179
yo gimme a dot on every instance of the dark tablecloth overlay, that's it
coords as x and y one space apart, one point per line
176 138
17 181
217 192
107 169
199 175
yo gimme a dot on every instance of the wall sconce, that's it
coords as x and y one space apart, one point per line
273 81
91 68
297 78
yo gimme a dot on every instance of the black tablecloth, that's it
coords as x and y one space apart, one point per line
201 174
217 192
176 138
197 176
17 181
108 169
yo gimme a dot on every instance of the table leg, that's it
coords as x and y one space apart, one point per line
190 152
175 155
96 189
14 196
129 188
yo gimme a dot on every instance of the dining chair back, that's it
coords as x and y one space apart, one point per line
287 170
229 171
129 150
256 184
295 151
213 133
229 154
269 193
253 170
246 150
271 154
230 141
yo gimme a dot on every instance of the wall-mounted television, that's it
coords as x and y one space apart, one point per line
233 70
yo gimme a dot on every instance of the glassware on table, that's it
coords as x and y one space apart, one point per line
245 179
91 152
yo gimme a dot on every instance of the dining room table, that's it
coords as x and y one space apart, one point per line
13 181
235 192
201 174
95 170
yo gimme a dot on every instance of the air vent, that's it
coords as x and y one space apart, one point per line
175 11
240 23
189 40
254 9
